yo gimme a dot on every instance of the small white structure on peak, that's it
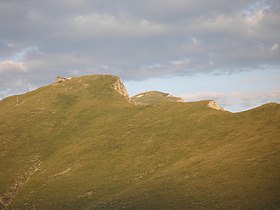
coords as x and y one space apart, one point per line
62 79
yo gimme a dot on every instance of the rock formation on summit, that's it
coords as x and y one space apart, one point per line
214 105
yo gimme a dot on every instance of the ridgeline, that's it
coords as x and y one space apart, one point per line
83 143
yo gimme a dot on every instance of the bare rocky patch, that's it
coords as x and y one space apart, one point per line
215 105
20 180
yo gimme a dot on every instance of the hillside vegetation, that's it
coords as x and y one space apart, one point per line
80 144
153 97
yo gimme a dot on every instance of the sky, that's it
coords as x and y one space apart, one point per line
224 50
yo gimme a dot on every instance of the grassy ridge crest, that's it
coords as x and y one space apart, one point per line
83 144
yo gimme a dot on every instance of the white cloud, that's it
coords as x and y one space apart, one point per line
274 47
254 18
255 12
236 101
180 62
12 66
194 41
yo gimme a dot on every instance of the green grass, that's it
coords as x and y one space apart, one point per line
98 151
154 97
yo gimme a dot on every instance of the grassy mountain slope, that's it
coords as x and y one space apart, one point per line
79 144
153 97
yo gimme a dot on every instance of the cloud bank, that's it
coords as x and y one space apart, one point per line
134 39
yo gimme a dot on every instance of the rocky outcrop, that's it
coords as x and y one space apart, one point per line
120 88
60 79
20 180
215 105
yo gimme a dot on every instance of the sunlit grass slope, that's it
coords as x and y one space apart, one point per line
79 144
153 97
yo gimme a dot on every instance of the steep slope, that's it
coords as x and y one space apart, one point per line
81 144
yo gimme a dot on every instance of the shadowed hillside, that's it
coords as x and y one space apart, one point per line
84 144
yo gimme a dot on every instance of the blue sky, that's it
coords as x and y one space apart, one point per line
235 92
222 50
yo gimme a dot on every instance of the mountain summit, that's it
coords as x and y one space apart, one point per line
153 97
83 143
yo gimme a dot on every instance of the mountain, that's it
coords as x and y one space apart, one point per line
82 143
153 97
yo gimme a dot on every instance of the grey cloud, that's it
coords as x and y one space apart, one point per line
136 39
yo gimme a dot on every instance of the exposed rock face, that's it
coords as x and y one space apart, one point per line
120 88
62 79
20 180
215 105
